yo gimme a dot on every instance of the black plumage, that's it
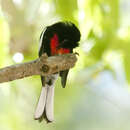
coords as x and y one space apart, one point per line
68 37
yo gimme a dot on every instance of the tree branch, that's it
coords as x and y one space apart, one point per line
42 66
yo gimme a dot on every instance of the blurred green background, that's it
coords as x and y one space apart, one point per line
97 95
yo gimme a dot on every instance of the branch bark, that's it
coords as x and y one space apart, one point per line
42 66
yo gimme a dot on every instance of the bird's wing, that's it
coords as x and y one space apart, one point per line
63 75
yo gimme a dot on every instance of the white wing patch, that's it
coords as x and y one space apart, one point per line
41 38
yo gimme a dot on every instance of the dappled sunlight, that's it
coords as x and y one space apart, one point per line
18 57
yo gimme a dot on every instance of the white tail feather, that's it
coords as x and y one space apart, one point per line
41 103
46 100
50 103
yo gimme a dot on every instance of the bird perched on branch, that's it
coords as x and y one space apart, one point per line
57 39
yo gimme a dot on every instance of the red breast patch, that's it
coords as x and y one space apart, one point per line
54 44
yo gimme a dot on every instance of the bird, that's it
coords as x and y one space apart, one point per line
56 39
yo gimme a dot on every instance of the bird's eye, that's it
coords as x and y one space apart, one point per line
64 41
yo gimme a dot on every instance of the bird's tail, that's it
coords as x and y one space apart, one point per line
45 104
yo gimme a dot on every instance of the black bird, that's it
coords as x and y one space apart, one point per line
59 38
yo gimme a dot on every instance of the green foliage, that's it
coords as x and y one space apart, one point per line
105 43
4 39
66 9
